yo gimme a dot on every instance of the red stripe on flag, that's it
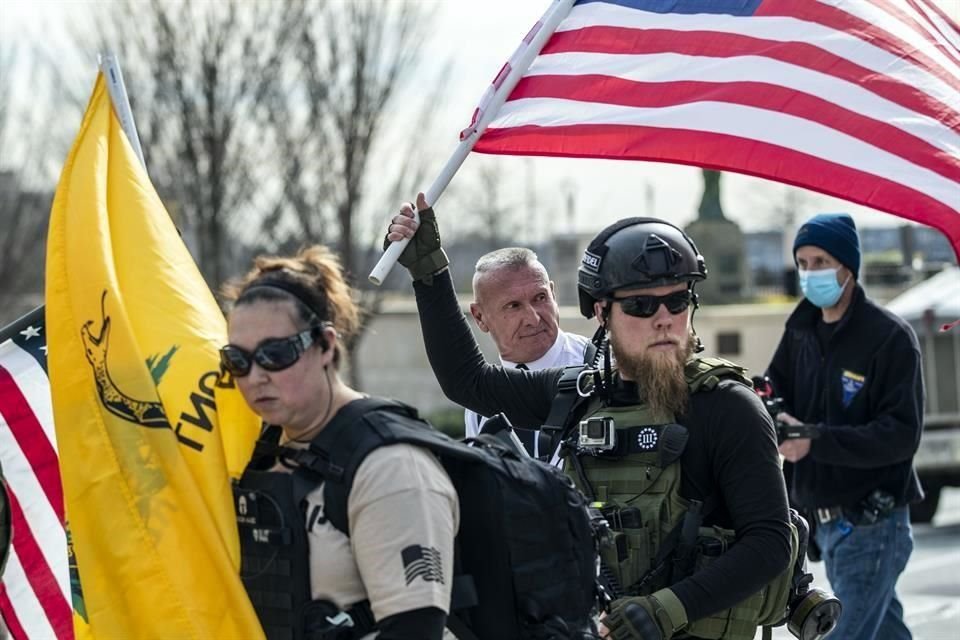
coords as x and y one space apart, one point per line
613 90
725 153
946 19
926 26
29 434
39 574
840 20
618 40
10 616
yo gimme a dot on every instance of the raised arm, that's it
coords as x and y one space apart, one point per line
465 377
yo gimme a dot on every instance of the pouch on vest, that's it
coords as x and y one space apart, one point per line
638 494
273 545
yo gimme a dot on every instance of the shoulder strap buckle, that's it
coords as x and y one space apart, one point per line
585 390
341 620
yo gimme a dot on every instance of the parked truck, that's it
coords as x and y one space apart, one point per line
929 306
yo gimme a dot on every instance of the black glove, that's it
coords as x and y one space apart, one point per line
423 256
646 618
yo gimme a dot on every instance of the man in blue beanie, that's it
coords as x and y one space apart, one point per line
852 369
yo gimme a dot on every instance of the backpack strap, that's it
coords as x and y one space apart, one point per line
358 428
567 406
355 440
266 449
335 454
589 354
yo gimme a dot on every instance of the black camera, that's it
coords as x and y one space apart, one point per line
598 433
764 389
775 406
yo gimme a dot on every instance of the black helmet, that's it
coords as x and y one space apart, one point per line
635 253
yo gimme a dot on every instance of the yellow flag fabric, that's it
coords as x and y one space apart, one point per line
146 431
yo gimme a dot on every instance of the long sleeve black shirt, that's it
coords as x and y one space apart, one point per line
865 390
731 452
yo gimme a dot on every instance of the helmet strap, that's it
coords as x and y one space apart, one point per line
698 346
602 380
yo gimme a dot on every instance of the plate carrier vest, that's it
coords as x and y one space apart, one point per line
657 534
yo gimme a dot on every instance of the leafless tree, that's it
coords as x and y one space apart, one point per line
199 75
354 58
259 120
31 148
492 215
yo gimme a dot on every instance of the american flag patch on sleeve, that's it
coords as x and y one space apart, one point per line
422 562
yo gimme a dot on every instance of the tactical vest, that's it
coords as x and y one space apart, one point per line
638 490
525 554
274 549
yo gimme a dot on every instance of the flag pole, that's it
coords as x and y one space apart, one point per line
494 97
110 67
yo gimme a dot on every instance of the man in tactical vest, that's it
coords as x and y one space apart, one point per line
677 452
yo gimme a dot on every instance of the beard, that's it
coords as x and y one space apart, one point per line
659 375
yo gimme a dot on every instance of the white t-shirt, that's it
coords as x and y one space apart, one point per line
403 515
567 349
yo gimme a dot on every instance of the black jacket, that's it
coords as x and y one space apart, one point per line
867 393
731 452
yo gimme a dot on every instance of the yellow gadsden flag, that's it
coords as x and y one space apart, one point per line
146 430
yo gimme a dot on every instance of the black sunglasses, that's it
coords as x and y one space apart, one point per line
273 354
645 306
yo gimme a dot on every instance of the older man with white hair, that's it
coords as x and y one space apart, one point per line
514 302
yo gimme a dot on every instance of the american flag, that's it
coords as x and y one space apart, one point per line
422 562
35 594
855 99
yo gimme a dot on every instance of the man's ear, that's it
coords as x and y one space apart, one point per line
477 312
599 310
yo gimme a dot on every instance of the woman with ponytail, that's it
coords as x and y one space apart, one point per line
340 537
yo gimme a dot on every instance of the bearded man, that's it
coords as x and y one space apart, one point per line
653 411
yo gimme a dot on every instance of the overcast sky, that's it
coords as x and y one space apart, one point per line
481 36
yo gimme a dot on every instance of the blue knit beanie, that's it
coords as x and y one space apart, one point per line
836 234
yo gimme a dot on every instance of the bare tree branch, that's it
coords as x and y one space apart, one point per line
353 57
30 148
203 74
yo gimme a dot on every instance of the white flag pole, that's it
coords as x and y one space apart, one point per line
494 97
110 67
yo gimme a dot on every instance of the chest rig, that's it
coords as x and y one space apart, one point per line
626 460
274 550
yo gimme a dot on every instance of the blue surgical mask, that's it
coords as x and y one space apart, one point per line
820 287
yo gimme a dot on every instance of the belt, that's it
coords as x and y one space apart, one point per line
825 515
855 516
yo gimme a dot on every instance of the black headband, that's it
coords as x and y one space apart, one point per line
297 290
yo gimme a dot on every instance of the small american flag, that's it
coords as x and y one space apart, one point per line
422 562
35 594
855 99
